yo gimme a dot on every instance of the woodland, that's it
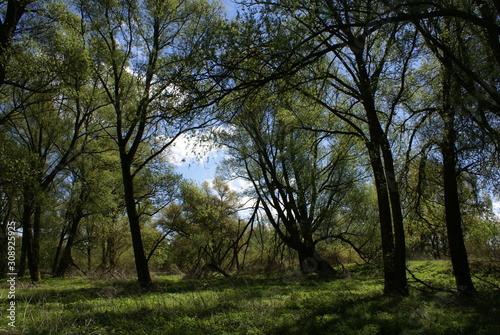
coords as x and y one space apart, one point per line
366 133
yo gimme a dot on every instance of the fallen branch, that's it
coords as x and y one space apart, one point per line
432 288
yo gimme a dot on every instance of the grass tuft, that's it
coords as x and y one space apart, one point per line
256 305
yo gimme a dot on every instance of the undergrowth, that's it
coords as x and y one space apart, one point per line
257 305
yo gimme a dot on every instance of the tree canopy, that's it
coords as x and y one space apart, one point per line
366 128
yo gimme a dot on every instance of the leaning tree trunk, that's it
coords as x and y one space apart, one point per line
458 252
397 220
34 248
391 219
141 263
389 203
59 249
89 258
312 262
67 258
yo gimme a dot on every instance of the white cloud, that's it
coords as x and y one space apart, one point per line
189 149
239 184
496 208
196 158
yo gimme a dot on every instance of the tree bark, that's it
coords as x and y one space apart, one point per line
384 212
141 263
89 258
26 238
14 11
59 249
389 203
34 251
312 262
397 221
458 252
67 257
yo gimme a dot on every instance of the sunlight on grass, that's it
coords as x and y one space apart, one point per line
253 306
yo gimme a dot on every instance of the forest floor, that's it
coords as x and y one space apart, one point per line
286 304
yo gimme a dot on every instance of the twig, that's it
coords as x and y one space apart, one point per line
432 288
487 282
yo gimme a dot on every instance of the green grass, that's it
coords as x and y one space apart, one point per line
254 305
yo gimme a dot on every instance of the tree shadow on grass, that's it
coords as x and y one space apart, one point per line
50 291
431 314
345 314
264 306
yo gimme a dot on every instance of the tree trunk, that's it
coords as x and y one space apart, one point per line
3 249
458 252
141 263
26 238
14 11
57 256
389 203
67 258
397 221
89 259
34 251
111 252
384 212
312 262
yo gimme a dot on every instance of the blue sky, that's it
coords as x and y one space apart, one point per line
195 161
230 8
199 162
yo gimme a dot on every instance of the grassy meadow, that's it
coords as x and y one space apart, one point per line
284 304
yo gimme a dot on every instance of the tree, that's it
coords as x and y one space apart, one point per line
453 215
27 29
299 177
454 116
207 232
149 58
54 127
91 191
333 45
468 144
9 194
344 33
422 193
12 12
479 31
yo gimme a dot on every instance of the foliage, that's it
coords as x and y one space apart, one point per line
301 178
254 305
367 129
208 233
